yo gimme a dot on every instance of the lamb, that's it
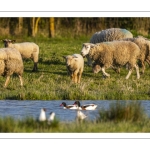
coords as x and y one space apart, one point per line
108 35
116 53
75 66
26 49
10 63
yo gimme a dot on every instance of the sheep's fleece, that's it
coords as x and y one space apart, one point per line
11 62
116 53
26 49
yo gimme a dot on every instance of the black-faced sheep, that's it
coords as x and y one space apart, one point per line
116 53
108 35
10 63
75 66
26 49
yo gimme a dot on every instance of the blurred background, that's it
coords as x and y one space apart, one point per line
70 26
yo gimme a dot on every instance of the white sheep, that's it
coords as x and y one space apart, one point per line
26 49
75 66
144 45
116 53
108 35
10 63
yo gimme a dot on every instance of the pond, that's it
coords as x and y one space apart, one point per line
31 108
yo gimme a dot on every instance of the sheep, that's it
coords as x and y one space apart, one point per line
116 53
10 63
26 49
75 66
107 35
144 45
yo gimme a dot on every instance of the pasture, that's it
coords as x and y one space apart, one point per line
52 82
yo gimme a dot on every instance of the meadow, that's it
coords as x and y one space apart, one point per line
52 82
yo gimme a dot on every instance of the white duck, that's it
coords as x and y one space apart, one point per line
65 106
80 115
42 116
51 117
85 107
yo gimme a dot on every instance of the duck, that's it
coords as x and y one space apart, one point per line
51 117
68 106
42 116
85 107
80 115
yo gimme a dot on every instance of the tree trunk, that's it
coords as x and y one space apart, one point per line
32 26
20 25
36 25
51 27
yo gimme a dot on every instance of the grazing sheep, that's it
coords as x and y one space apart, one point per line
10 62
26 49
108 35
144 45
75 66
116 53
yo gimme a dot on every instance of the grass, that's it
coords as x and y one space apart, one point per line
51 82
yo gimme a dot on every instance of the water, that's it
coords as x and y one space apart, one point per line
31 108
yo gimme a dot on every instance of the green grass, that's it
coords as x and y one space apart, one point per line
51 82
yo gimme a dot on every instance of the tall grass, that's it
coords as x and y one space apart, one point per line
131 111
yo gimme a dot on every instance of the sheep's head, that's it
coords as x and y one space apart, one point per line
86 48
7 42
69 59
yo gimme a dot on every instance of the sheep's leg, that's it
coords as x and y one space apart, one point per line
143 67
89 61
79 77
104 73
35 67
137 71
7 81
129 73
75 76
21 80
148 61
72 77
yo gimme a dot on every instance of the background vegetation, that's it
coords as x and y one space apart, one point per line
70 27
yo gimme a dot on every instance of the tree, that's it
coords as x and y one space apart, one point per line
20 24
51 27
